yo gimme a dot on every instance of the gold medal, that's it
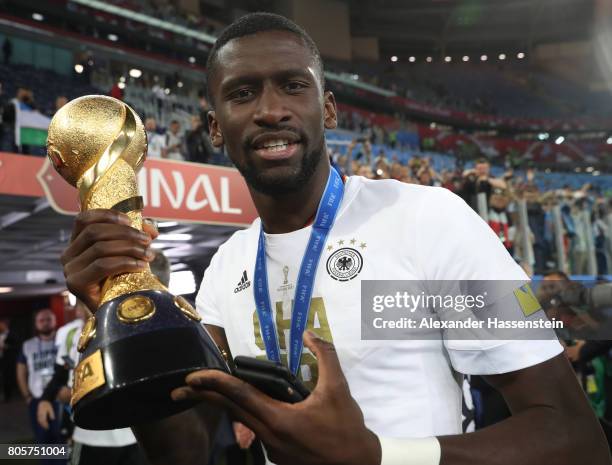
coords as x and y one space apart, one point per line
135 309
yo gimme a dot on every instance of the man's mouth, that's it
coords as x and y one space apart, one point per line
276 149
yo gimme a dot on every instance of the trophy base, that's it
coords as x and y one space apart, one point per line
138 363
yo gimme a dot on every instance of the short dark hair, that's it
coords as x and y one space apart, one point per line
253 23
559 273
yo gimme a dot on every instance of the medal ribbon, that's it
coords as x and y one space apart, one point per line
324 220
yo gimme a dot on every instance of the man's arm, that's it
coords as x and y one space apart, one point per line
22 381
551 422
59 380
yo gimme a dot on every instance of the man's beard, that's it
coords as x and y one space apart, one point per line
46 332
276 185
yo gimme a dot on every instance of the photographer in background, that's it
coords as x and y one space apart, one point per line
580 310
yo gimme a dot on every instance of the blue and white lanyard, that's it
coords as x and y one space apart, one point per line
324 220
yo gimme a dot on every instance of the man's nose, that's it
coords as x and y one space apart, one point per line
271 108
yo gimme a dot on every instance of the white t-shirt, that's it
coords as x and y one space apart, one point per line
396 231
39 357
66 341
171 140
155 144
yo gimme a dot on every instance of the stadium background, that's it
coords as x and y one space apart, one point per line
506 99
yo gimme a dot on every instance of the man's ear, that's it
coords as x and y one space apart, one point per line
216 137
331 112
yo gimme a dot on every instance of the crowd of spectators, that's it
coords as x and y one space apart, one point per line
175 142
585 213
169 11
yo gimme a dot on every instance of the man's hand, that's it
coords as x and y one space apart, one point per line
64 395
326 428
45 413
104 244
244 436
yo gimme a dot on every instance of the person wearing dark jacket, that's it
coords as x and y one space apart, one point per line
197 142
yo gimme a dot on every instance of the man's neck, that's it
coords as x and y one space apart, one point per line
290 212
46 337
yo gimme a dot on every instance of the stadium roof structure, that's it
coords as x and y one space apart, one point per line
430 27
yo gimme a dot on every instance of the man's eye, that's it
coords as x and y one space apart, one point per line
293 86
242 94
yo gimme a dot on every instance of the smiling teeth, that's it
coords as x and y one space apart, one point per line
277 144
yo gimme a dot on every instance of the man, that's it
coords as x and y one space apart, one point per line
7 50
478 180
156 143
197 142
23 96
34 371
499 219
391 402
111 447
173 142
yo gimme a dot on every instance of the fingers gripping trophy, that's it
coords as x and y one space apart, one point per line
142 341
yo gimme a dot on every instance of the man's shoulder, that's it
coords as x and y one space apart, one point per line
63 331
391 190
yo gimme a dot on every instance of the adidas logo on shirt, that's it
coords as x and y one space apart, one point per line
243 284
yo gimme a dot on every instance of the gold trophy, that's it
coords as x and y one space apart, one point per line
142 341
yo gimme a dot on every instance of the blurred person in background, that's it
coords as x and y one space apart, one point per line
499 219
155 141
34 371
23 96
8 361
4 331
593 364
576 320
367 151
173 142
7 50
427 176
579 255
608 221
600 233
536 218
197 142
476 181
